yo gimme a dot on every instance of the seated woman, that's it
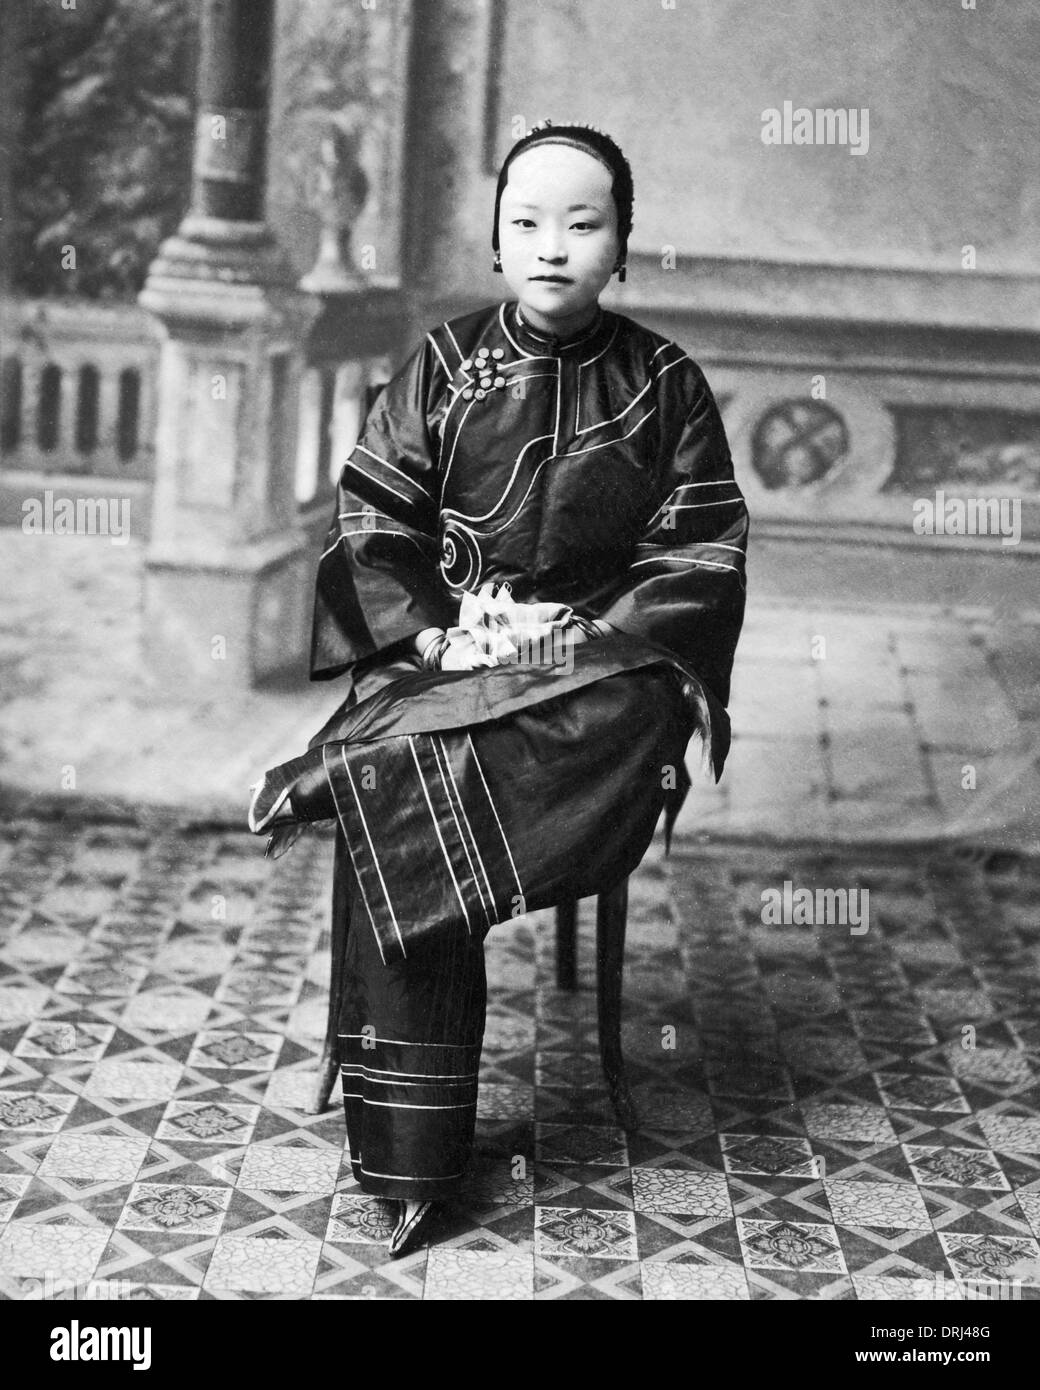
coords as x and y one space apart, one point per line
534 582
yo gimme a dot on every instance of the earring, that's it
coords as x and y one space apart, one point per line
497 267
620 268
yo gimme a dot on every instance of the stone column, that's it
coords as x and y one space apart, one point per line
226 573
443 166
12 87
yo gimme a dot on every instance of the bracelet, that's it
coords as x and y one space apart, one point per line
437 646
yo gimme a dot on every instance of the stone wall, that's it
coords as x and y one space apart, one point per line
843 305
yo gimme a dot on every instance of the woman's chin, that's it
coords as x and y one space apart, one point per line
555 305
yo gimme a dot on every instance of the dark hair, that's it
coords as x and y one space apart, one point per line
593 142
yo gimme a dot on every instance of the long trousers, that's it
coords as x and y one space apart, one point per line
410 1034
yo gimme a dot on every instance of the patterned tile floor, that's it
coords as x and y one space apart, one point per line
825 1115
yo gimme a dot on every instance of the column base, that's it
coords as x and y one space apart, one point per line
231 621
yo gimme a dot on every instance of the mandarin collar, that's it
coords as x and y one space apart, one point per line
533 340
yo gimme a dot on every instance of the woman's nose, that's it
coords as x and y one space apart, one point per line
552 250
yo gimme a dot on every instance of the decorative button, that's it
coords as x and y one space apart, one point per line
497 354
467 395
480 393
467 364
500 381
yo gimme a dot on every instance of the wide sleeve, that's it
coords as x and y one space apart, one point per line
378 580
684 587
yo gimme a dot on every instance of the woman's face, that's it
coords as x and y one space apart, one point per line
557 232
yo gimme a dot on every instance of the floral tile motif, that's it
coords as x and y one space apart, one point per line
585 1232
767 1154
864 1124
69 1042
679 1190
955 1167
478 1274
988 1257
887 1204
161 1207
286 1168
112 977
270 1263
794 1245
921 1091
207 1122
580 1144
1012 1133
134 1080
239 1051
359 1218
255 988
35 1112
688 1282
95 1157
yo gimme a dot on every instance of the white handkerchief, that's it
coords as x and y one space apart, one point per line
494 630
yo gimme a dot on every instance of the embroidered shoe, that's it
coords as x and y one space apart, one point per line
410 1230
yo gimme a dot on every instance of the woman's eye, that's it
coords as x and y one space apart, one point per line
522 222
583 227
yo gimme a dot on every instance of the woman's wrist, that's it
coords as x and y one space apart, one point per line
431 645
592 628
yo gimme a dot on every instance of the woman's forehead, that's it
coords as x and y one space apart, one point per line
558 174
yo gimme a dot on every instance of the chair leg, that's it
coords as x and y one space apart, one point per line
611 919
567 946
328 1066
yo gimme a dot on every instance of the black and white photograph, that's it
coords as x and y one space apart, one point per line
520 665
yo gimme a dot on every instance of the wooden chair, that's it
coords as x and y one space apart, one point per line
611 921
